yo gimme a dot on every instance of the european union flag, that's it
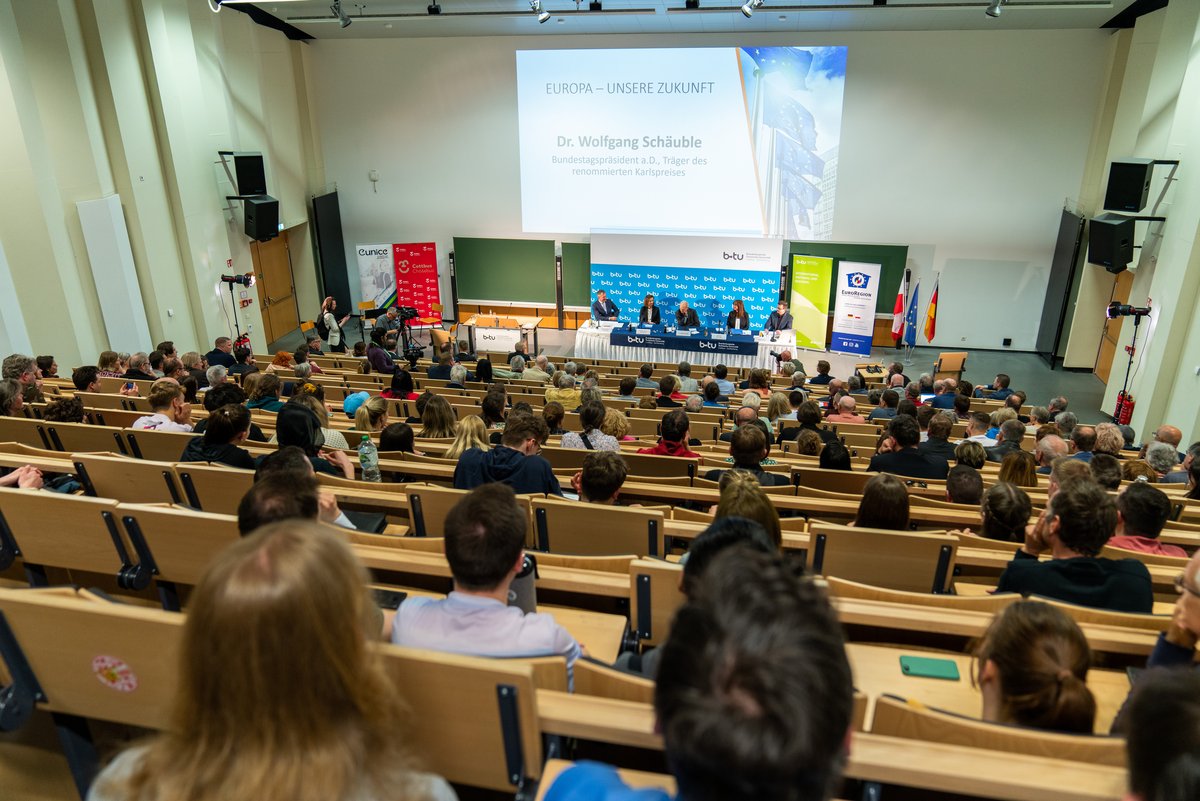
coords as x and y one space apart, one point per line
791 61
910 319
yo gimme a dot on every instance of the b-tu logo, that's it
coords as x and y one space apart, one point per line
733 256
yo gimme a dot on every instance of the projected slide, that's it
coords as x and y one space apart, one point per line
737 141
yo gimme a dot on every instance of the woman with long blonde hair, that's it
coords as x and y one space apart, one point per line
437 421
472 433
279 694
372 415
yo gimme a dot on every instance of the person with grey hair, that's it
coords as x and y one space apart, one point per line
24 370
787 370
458 376
693 404
1057 406
912 391
799 379
303 371
1007 441
1130 437
216 375
540 371
589 382
687 384
854 385
590 395
1038 416
1161 457
1189 458
569 368
943 395
925 383
1049 448
139 368
564 391
1066 422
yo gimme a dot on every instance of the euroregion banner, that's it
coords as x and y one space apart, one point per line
854 307
810 299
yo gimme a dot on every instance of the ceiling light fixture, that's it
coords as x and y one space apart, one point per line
595 5
536 7
993 9
337 11
691 5
749 6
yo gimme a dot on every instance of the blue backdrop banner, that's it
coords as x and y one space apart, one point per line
698 342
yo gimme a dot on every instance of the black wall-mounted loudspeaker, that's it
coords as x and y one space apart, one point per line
1128 185
250 173
262 217
1110 242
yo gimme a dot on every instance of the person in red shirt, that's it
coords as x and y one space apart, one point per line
1143 511
674 439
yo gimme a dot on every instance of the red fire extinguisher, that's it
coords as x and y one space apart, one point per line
1124 411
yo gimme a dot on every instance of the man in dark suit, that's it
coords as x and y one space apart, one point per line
603 308
666 388
939 444
780 319
222 353
809 416
649 313
1007 441
943 395
903 458
748 447
743 416
685 317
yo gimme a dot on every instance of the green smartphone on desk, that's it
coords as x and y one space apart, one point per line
927 668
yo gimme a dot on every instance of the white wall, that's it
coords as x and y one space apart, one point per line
964 143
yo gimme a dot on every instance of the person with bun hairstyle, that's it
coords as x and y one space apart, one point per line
246 724
171 411
371 415
228 427
1005 510
1031 670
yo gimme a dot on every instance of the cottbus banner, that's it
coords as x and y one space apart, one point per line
400 275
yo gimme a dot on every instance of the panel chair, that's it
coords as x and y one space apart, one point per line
950 365
125 479
571 527
896 717
899 560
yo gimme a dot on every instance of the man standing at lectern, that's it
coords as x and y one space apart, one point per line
780 319
603 308
685 317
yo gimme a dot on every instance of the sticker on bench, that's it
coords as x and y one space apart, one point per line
114 674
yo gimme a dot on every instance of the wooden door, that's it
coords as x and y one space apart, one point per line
276 288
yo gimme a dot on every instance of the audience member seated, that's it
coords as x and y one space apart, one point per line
742 496
371 416
298 425
398 438
938 442
402 387
250 622
673 441
1180 476
889 400
1066 422
277 496
1012 432
616 425
1162 458
1142 512
757 613
221 354
601 478
228 427
216 375
1193 492
627 386
170 411
1163 737
749 447
1106 470
441 370
1083 440
591 417
1170 435
808 444
1049 448
564 391
884 504
964 485
834 456
1019 468
809 416
437 421
666 392
977 428
244 362
139 368
962 408
483 372
1064 470
846 412
485 547
997 390
377 355
900 455
109 364
1032 667
1079 519
1005 511
972 454
1176 647
265 394
553 413
514 462
63 410
86 379
1137 470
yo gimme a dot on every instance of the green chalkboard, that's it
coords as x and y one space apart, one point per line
510 270
892 257
577 274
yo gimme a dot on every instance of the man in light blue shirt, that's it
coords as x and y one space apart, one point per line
721 373
485 546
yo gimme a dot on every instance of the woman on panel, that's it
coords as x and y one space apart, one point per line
246 723
649 314
738 318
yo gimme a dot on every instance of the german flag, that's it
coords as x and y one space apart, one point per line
931 313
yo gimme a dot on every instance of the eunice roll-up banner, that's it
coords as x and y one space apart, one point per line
709 272
809 303
854 307
400 275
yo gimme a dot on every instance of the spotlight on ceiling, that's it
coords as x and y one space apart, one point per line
993 9
434 9
337 11
749 6
536 7
595 5
691 5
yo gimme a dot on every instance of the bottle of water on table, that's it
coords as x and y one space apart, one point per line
368 457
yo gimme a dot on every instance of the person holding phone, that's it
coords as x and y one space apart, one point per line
649 314
328 307
738 318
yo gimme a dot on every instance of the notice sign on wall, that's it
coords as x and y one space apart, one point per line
417 279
